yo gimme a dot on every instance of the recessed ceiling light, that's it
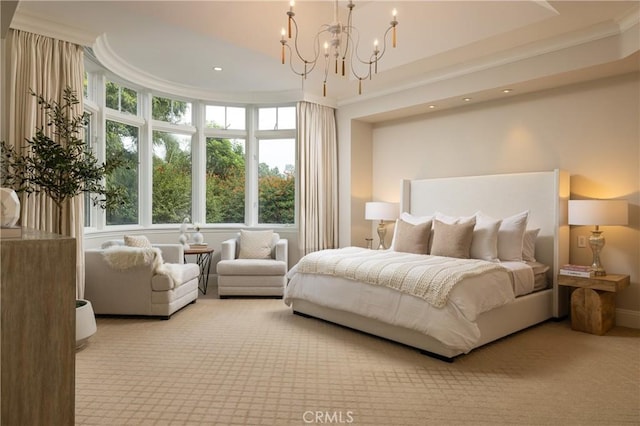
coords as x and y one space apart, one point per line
507 90
217 68
432 106
466 99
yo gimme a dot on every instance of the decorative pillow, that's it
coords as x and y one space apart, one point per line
137 241
411 219
529 245
510 235
485 239
410 238
452 240
454 219
255 244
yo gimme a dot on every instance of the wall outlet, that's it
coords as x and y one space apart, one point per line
582 241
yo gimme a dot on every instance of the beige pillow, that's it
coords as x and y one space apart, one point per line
452 240
410 238
137 241
255 244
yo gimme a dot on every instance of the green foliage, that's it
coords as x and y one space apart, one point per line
122 142
225 181
60 166
165 109
121 98
277 198
171 181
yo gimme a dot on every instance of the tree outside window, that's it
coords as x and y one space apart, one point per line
171 177
122 139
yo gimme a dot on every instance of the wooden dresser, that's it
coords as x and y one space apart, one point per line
37 312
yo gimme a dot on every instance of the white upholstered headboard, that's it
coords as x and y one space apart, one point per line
543 194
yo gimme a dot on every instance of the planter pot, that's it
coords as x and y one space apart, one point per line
85 322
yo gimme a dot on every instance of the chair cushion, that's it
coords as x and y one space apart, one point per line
252 267
177 274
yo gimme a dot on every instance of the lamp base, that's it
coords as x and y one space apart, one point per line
382 232
596 242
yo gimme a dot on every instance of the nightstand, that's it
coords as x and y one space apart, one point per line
593 301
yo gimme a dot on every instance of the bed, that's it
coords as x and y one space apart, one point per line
402 318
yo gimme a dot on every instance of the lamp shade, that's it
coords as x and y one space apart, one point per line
598 212
377 210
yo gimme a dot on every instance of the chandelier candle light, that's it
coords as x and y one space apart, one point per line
342 45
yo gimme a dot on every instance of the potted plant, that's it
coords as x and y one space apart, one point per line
58 163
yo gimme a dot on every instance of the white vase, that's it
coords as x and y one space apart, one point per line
198 238
85 322
9 207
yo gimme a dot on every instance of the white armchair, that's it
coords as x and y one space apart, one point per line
249 276
142 289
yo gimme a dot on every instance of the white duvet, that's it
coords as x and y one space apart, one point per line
454 324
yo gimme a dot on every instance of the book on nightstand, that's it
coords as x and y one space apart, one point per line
198 245
576 271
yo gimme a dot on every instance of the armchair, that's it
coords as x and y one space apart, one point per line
249 276
144 289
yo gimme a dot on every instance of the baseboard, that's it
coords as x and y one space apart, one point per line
628 318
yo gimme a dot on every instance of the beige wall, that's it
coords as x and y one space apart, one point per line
589 129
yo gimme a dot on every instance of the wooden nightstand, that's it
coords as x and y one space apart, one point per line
593 301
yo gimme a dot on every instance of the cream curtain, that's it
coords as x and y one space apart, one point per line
318 177
46 66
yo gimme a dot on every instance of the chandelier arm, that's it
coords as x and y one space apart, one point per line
296 72
309 65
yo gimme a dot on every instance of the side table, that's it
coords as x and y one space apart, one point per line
203 259
593 301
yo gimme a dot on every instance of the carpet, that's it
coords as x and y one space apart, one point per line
252 362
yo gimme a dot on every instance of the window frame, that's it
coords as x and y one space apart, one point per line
95 103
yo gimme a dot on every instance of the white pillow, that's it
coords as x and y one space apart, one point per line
255 244
137 241
485 239
451 220
529 245
510 235
413 220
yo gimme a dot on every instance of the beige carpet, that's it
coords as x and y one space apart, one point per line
252 362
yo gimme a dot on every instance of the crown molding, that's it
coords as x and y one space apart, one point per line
25 21
118 66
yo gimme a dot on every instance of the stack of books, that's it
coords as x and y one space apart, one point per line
197 245
576 271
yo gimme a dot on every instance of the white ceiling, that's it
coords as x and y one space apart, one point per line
175 44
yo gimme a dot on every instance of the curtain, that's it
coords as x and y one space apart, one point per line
318 176
46 66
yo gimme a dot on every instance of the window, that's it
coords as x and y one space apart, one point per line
225 117
171 177
122 139
276 181
88 139
225 180
121 98
171 111
240 157
277 118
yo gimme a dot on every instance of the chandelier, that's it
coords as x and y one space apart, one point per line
341 47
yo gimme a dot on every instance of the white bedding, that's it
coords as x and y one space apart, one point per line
453 325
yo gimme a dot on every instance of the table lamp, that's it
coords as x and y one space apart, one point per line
381 211
598 213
